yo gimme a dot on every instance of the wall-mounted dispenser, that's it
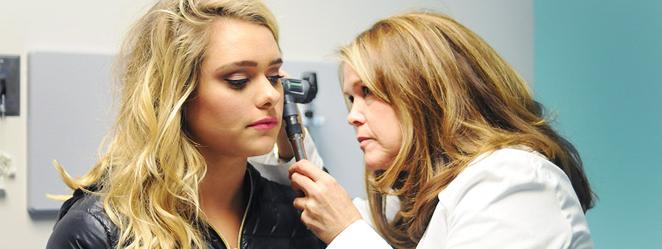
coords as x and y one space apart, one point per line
10 84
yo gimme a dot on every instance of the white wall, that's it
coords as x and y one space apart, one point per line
310 30
316 28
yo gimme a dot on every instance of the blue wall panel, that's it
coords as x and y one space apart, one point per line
598 66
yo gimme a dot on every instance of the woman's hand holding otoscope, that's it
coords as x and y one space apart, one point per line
320 209
297 91
326 207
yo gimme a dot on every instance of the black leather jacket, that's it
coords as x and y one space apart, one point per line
271 221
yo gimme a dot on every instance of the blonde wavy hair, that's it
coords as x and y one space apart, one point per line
456 98
148 177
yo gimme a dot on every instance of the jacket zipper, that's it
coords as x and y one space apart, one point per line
225 243
243 219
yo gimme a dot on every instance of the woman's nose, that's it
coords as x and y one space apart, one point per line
355 116
269 94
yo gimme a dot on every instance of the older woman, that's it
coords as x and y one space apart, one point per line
457 153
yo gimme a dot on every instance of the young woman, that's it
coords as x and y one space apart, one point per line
200 94
458 154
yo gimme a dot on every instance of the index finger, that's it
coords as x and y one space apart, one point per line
307 169
302 183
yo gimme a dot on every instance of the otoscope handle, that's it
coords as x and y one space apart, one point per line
293 127
297 145
295 134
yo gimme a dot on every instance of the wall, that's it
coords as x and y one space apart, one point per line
310 30
598 64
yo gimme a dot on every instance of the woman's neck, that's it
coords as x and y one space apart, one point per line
223 197
222 187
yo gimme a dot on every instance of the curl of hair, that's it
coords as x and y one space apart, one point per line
456 99
149 174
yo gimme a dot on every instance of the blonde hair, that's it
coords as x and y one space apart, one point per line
456 98
148 177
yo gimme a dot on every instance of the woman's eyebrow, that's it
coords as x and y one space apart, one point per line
246 63
276 61
348 90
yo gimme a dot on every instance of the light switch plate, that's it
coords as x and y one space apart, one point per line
10 72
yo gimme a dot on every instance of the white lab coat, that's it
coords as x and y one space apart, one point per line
509 198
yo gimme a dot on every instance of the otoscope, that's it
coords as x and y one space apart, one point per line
297 91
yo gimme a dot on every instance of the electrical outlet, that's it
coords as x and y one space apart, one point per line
6 168
6 171
10 77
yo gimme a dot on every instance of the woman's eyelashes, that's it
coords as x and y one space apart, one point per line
275 79
237 83
365 91
241 83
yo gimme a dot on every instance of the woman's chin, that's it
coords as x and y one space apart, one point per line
376 161
374 166
261 149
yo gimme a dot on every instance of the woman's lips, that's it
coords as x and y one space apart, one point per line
363 141
265 123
